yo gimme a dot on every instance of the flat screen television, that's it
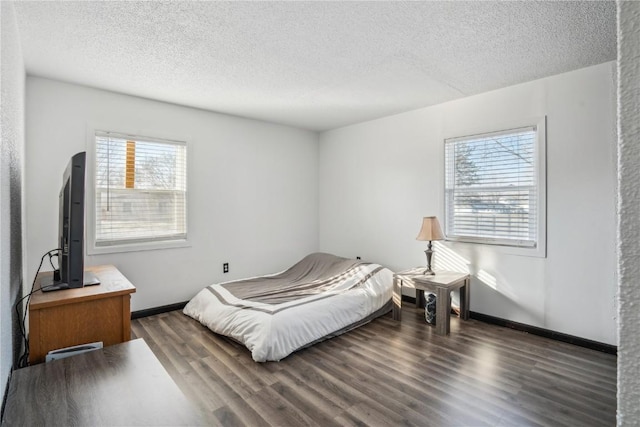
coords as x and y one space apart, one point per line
71 272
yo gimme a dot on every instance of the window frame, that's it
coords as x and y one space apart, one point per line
90 193
501 245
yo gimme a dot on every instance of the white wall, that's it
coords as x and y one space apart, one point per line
253 195
379 178
11 172
629 213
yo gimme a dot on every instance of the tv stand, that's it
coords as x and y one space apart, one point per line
80 315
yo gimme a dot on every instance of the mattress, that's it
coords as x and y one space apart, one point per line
319 297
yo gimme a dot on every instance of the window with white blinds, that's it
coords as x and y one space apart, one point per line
140 190
492 188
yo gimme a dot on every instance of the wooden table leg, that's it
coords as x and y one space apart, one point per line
464 299
397 299
421 302
443 311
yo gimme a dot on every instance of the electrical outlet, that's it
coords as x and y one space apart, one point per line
225 267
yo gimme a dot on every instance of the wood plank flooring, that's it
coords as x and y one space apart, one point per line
388 373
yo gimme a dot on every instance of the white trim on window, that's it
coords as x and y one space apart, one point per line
495 188
129 208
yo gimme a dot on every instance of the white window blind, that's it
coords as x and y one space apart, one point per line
141 189
491 188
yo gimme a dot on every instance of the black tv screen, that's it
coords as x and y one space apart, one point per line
71 229
71 223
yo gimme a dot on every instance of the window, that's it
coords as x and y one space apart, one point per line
140 190
495 188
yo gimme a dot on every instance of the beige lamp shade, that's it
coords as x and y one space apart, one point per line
430 229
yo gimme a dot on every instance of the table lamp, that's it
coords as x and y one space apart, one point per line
430 231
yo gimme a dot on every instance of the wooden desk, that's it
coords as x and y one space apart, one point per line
70 317
121 385
442 283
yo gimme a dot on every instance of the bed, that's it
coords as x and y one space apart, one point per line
319 297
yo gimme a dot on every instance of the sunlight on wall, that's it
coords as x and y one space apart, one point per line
497 284
446 259
488 279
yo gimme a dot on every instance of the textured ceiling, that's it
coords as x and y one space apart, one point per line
313 65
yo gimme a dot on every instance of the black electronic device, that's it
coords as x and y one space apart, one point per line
71 230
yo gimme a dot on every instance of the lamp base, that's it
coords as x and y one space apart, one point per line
429 253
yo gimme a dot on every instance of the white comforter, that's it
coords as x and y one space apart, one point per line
273 331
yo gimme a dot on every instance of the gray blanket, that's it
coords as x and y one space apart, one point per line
314 274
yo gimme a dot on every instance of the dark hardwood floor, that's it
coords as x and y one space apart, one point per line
390 373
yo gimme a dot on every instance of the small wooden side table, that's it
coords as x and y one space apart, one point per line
442 283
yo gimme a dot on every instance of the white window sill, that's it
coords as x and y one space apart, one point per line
540 251
137 247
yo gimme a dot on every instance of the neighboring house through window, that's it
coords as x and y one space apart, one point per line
140 191
495 188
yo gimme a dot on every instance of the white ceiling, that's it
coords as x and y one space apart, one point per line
313 65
